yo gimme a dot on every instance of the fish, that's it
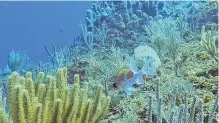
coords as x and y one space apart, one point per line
130 76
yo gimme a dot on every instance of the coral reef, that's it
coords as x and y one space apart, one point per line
180 40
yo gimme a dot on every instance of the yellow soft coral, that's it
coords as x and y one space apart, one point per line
52 100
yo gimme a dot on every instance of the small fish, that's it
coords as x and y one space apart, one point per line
60 30
127 77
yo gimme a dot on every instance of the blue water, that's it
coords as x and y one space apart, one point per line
29 26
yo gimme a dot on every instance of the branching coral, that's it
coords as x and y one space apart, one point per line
52 100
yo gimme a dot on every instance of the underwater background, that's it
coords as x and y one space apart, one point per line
109 62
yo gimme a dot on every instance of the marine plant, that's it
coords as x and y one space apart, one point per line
57 58
50 99
208 41
60 57
17 61
187 112
3 115
165 37
88 36
173 47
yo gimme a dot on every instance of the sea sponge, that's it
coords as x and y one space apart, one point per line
142 52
